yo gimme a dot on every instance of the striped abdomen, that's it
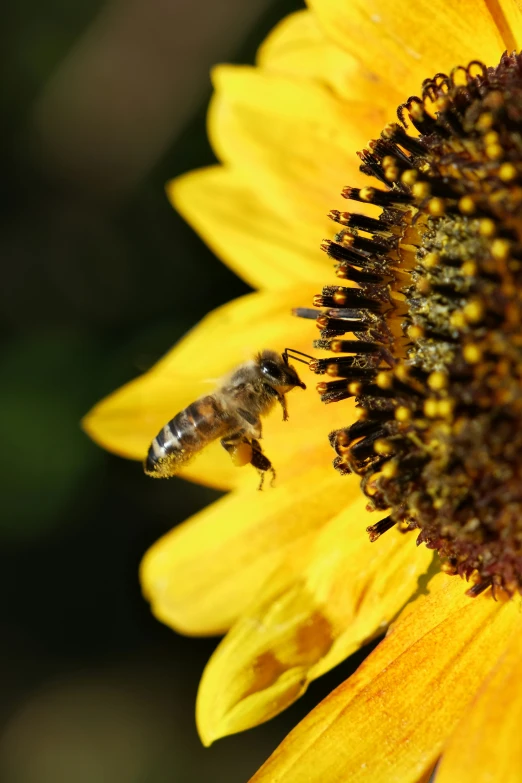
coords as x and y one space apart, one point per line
186 434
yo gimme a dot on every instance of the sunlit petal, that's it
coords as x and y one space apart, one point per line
508 19
266 248
294 138
324 602
405 44
298 46
388 723
486 745
201 576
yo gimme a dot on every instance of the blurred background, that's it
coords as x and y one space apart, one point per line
103 102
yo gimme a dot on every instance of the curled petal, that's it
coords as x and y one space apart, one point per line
324 603
388 723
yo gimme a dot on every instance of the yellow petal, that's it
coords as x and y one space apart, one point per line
508 18
486 745
294 139
201 576
405 43
388 723
265 247
128 420
297 46
326 601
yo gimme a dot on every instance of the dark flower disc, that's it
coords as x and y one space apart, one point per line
427 332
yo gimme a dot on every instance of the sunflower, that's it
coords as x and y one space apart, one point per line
432 254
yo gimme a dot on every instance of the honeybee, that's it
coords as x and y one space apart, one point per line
232 413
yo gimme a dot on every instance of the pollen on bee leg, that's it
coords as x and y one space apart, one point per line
242 454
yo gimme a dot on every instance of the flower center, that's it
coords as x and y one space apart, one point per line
434 323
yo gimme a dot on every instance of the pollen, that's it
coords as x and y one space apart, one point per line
427 337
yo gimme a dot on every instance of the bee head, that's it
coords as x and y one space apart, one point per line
278 372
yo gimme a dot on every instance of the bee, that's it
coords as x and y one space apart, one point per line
232 413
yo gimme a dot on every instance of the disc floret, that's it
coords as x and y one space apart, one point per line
426 330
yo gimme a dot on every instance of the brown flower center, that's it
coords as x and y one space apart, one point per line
433 319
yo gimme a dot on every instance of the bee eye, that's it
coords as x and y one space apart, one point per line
271 368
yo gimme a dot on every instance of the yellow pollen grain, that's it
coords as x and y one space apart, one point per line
431 260
346 239
467 205
392 173
402 414
421 190
487 227
437 380
472 354
389 160
507 172
367 194
384 380
473 311
383 447
445 408
401 372
390 469
431 408
494 151
457 319
409 177
484 122
415 332
500 249
469 268
436 207
491 138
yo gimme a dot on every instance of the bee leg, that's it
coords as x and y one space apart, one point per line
282 401
261 463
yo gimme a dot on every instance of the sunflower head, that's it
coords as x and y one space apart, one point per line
434 349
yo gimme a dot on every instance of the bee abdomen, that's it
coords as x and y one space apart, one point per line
183 436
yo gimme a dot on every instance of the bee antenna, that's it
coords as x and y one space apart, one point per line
290 353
